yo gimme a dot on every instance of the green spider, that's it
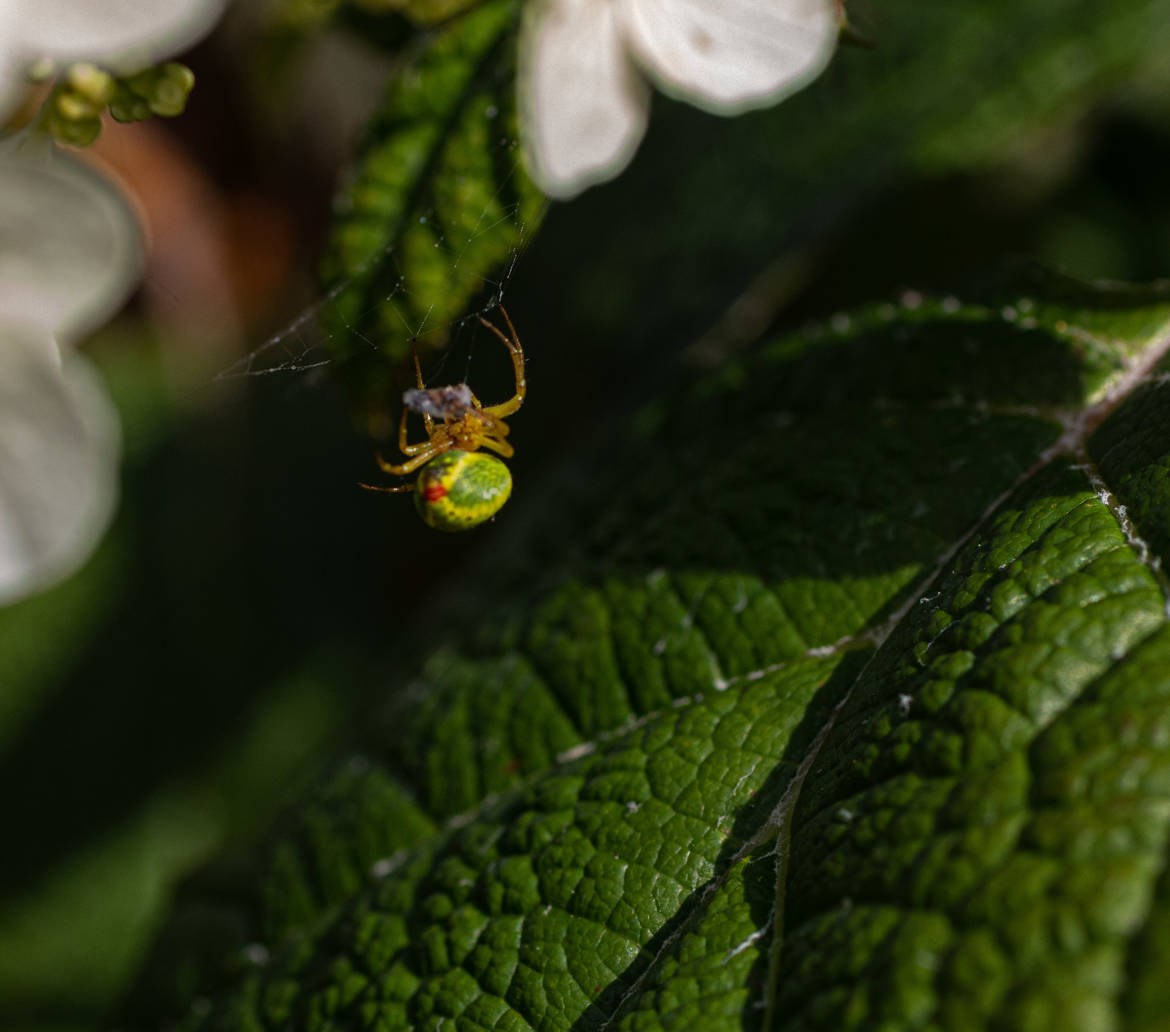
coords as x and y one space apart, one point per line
458 486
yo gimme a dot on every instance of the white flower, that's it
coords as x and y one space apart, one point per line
69 252
122 35
58 462
584 101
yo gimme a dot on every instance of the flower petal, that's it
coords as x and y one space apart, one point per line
69 245
731 55
129 34
583 106
59 448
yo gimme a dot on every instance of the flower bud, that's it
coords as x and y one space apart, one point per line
90 82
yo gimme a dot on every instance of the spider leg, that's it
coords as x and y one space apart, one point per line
517 352
388 490
496 427
403 445
411 464
501 447
419 380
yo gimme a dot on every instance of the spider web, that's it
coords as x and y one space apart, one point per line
307 344
432 220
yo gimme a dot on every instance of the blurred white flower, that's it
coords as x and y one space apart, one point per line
69 254
122 35
584 101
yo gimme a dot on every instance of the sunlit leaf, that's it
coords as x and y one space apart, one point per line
850 712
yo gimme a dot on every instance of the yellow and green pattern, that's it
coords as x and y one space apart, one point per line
458 490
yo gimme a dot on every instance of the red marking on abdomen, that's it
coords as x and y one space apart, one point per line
434 492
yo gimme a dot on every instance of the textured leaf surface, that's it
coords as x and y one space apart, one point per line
849 711
438 201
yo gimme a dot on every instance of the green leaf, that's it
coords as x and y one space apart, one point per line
438 202
846 705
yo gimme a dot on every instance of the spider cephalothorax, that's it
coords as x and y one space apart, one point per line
458 487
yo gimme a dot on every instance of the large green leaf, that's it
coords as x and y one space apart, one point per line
845 705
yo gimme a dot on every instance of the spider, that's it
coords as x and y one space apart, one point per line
458 487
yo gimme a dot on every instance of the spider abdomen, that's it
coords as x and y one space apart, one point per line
458 490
